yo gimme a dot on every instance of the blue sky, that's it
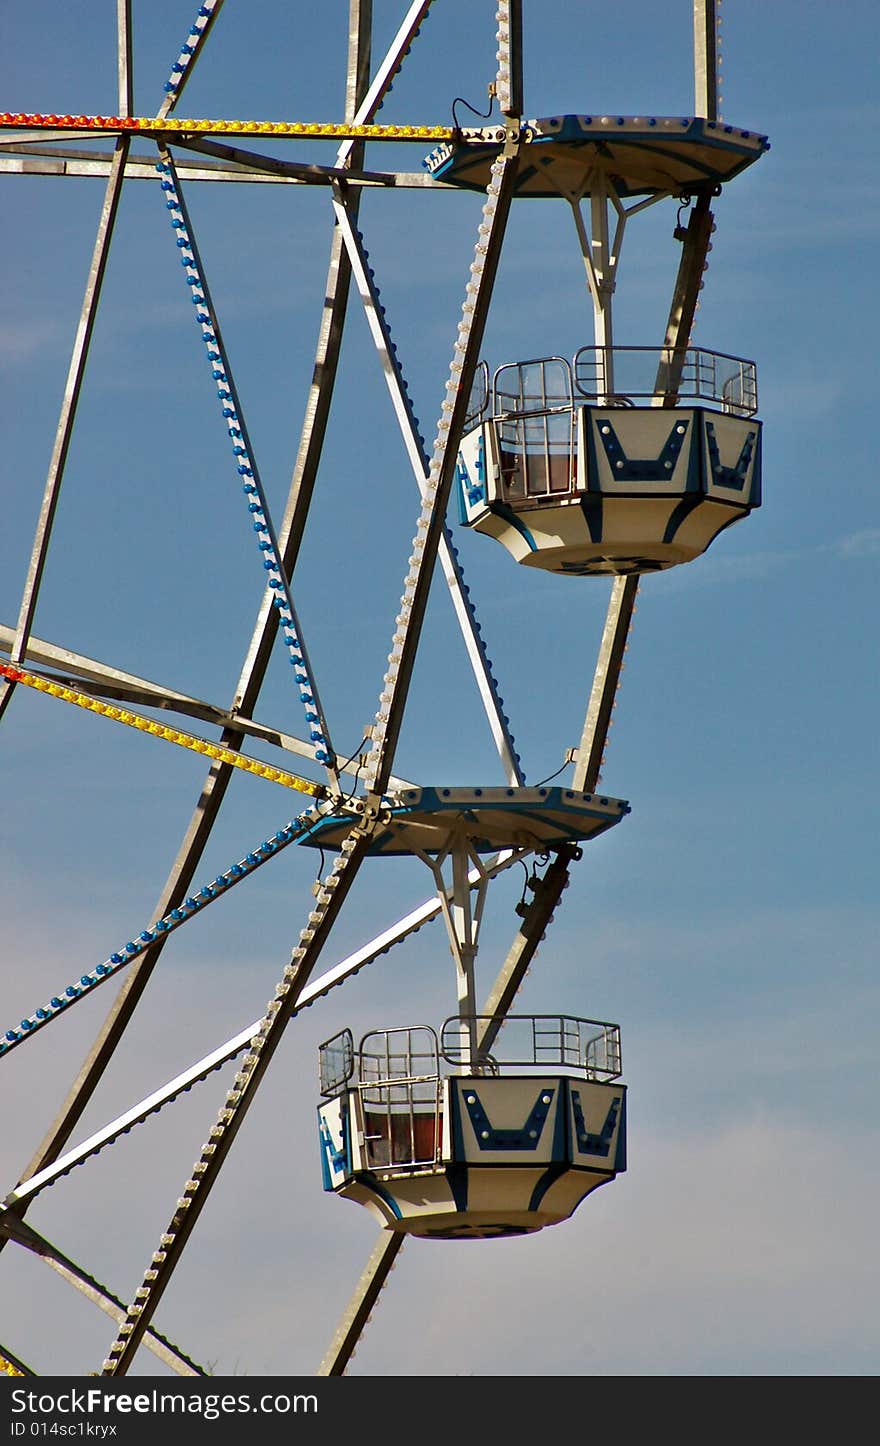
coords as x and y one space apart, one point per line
729 923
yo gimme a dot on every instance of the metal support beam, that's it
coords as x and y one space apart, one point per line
10 1365
38 160
412 440
706 59
695 249
509 79
362 102
191 54
587 770
431 522
100 680
234 1110
32 1185
170 1354
537 919
68 410
357 1312
280 579
462 916
591 750
124 74
308 174
606 679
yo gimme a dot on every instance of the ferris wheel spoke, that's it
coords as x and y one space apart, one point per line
87 983
246 466
182 68
303 173
319 397
33 1184
189 741
88 1286
98 679
253 1068
28 1189
493 703
154 1340
509 79
415 448
697 244
438 479
313 431
365 108
587 767
381 333
69 405
431 522
21 158
113 1305
363 1299
124 76
538 917
590 754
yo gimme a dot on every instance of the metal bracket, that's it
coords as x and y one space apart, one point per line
512 137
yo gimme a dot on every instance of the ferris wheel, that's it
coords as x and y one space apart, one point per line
603 466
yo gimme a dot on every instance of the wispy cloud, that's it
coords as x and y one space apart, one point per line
719 1252
753 565
865 543
25 340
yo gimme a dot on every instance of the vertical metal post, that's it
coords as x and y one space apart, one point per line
603 271
706 59
125 102
465 932
509 84
462 915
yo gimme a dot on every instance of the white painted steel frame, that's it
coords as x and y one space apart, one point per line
433 539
